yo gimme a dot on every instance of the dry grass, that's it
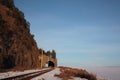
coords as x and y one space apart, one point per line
68 73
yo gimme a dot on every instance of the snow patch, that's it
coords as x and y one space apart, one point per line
49 75
77 78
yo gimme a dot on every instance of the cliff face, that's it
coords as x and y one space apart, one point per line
17 46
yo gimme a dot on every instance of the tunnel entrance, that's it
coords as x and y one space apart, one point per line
8 62
50 64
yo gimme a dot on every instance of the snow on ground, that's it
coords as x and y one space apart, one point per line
50 76
16 73
77 78
46 76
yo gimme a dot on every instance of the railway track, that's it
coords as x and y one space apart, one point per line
28 76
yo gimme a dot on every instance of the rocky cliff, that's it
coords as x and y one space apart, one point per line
17 46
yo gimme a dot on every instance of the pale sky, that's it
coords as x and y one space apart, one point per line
82 32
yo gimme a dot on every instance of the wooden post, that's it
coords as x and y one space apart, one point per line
41 59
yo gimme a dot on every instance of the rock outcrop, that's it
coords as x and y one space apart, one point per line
17 46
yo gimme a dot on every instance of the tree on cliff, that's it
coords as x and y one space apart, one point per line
8 3
53 54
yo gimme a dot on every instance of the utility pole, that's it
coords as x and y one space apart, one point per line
41 58
48 58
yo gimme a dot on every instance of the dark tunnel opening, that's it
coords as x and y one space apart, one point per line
51 64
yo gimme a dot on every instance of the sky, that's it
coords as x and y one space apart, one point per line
82 32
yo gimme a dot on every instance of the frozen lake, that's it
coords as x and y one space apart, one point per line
110 73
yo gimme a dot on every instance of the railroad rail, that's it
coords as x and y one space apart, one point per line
28 76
